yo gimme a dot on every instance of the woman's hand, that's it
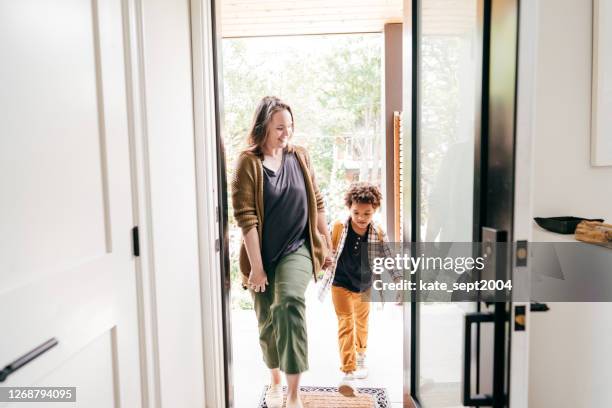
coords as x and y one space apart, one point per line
258 279
328 261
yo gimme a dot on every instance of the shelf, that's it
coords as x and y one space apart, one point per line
542 235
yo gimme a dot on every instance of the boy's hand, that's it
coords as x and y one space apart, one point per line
399 295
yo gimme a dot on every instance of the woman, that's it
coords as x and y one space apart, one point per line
279 208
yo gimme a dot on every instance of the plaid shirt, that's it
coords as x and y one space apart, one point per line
376 235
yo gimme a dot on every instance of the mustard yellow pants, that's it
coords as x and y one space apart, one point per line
353 312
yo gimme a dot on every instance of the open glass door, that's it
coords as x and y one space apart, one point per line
463 187
449 86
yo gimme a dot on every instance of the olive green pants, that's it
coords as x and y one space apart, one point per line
281 313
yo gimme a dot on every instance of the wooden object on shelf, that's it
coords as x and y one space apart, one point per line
594 232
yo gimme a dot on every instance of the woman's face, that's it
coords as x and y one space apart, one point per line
279 131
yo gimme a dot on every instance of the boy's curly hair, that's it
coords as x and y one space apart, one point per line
363 192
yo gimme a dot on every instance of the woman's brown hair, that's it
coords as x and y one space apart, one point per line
267 107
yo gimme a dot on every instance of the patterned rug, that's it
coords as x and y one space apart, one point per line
328 397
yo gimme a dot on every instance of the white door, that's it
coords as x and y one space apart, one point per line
66 265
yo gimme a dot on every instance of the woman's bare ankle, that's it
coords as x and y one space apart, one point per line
293 397
275 376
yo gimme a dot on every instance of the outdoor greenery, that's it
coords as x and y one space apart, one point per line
333 84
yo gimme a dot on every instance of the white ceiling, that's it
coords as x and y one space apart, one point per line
255 18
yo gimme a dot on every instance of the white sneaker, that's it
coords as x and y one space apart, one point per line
274 396
362 370
347 385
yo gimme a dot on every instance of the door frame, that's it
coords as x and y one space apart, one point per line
523 197
211 204
201 33
213 213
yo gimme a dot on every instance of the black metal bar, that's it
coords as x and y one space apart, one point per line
501 169
500 357
477 400
415 193
26 358
481 144
481 135
481 140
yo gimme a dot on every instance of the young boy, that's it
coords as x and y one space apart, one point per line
349 286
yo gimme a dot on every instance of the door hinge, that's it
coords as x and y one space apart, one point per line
135 241
522 253
217 245
217 214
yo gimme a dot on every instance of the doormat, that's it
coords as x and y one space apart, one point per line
329 397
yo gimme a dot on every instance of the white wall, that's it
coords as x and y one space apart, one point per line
565 182
569 345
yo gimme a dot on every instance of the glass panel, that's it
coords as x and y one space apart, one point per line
448 88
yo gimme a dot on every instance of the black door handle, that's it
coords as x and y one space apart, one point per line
480 400
26 358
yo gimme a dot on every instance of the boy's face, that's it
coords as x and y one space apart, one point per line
361 214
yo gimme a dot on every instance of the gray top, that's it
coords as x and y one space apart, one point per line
285 211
